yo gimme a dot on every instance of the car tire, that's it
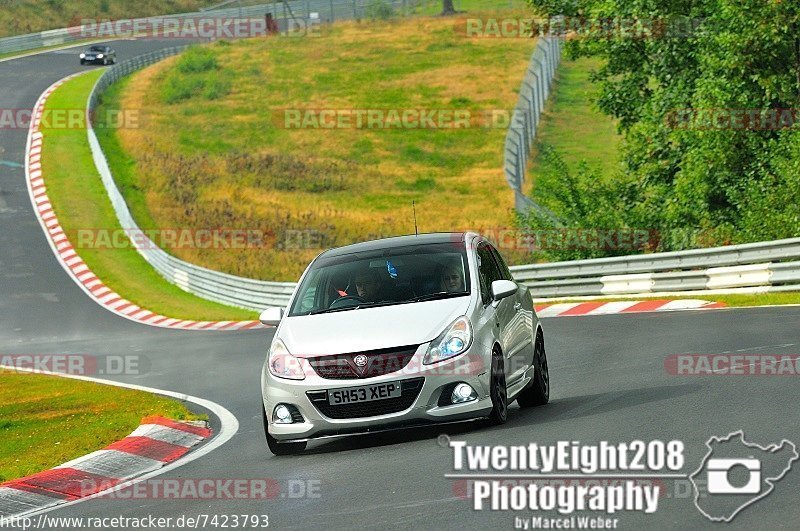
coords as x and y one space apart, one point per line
83 62
538 391
279 448
498 390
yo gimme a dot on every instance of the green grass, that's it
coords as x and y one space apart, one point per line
574 126
230 162
47 420
732 300
18 17
73 183
434 7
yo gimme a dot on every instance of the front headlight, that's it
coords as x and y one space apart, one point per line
100 56
455 340
83 55
282 364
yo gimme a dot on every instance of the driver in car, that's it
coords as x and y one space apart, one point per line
368 285
452 279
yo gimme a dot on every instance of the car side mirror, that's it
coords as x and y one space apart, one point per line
271 316
502 289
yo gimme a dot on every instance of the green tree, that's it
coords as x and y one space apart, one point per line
666 63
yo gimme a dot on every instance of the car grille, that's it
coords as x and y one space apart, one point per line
409 392
379 362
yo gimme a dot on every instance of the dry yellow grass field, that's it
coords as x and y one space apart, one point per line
212 151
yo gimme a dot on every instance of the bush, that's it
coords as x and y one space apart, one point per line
380 10
179 88
582 201
216 87
196 60
195 74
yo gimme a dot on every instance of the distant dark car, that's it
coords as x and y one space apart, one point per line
99 55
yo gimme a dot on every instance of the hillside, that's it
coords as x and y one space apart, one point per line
248 148
28 16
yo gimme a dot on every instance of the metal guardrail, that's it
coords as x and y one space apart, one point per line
326 10
522 131
43 39
753 265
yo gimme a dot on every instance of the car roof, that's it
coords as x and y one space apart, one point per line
397 241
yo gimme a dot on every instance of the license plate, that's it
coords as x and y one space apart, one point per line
363 394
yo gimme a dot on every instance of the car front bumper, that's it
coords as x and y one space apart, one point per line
425 409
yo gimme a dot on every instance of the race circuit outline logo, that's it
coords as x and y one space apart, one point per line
720 498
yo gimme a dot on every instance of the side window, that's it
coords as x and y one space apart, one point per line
505 272
487 271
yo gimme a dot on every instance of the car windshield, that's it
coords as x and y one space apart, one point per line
96 49
398 275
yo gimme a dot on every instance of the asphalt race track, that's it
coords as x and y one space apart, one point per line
608 375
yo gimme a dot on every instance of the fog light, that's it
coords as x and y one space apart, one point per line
282 415
463 393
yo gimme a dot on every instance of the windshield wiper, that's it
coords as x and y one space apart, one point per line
333 310
421 298
439 295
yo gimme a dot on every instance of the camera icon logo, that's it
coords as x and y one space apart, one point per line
719 481
736 473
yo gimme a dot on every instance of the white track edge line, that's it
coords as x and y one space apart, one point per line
229 426
42 223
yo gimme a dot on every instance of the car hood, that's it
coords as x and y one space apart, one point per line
369 328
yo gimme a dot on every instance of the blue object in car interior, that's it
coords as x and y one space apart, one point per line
391 269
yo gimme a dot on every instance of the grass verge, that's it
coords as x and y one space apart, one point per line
214 150
47 420
574 126
80 202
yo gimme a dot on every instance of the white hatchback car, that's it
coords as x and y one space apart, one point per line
401 332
